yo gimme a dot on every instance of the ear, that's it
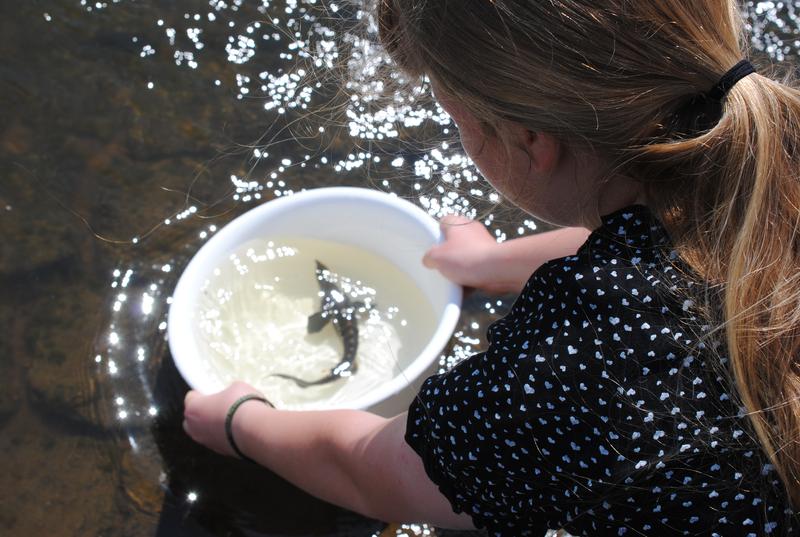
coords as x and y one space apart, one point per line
544 151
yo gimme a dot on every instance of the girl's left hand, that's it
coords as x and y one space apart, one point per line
467 254
204 415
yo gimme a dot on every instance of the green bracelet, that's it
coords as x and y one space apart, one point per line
229 421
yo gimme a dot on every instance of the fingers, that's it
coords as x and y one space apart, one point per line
432 257
453 224
191 394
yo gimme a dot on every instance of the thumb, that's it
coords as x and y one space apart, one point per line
430 259
189 396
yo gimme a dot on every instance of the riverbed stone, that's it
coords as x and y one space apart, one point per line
62 387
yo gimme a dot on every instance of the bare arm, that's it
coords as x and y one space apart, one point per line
350 458
471 257
518 258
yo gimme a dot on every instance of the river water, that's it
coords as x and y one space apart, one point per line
130 131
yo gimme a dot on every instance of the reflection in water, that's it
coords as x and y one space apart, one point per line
314 103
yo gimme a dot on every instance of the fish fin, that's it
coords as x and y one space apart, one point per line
317 322
321 267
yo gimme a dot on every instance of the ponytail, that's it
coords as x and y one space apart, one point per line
738 225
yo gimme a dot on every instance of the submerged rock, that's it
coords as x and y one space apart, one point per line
59 329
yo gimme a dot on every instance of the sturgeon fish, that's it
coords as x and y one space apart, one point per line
337 308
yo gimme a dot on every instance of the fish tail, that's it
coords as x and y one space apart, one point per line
306 383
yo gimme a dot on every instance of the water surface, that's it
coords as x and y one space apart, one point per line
130 132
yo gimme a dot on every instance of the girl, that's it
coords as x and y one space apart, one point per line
646 381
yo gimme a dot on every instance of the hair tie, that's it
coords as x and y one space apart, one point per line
729 79
229 421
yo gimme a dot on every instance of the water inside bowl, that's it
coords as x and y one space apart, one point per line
252 320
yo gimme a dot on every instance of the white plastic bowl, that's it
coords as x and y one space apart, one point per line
380 223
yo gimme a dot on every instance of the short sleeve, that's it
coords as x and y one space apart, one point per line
451 428
509 434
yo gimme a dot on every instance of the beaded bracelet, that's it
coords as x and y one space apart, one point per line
229 421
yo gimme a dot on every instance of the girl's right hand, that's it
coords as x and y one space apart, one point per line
467 256
204 415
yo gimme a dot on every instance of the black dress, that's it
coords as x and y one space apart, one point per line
602 406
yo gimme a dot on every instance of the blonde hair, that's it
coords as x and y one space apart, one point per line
627 80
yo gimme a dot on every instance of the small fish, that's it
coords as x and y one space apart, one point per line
335 307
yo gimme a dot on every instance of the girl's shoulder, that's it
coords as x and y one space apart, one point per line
626 269
630 240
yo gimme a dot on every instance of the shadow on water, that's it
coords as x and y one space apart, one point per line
233 493
130 132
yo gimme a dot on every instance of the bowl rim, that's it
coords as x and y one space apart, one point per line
183 346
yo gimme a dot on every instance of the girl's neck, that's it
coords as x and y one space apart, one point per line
618 193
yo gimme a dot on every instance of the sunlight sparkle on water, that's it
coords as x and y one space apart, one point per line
289 64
